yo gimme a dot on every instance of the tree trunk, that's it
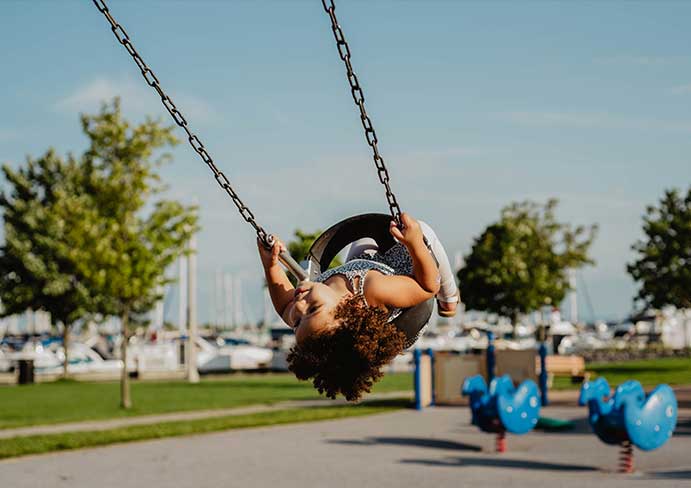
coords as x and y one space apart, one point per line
65 345
125 400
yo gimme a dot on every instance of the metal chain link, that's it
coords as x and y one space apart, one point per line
180 120
359 99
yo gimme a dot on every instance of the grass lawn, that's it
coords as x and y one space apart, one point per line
72 401
650 372
21 446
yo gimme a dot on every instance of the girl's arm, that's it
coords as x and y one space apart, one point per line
394 291
406 291
280 288
425 268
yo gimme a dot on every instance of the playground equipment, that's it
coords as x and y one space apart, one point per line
423 378
325 248
499 409
629 418
451 367
503 408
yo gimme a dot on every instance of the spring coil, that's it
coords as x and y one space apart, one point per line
626 457
501 442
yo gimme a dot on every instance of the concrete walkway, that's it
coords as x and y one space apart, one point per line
106 424
436 447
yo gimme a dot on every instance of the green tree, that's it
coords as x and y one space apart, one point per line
85 237
45 216
520 263
300 245
663 264
136 237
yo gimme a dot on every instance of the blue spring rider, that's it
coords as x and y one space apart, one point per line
503 408
628 417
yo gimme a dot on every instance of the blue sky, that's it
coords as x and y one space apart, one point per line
476 104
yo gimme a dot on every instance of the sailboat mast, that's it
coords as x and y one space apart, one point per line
573 297
182 294
228 299
192 372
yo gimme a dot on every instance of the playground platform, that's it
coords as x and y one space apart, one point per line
434 447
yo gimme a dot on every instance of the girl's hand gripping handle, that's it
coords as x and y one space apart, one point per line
278 252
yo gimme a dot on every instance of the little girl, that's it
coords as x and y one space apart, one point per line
342 320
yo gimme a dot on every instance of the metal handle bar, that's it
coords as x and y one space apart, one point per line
287 260
293 266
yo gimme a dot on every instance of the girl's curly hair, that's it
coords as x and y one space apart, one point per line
347 359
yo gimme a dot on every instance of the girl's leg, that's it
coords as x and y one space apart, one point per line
448 291
360 246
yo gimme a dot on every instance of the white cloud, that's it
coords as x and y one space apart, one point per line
592 120
7 135
682 89
195 109
642 60
542 118
440 155
91 95
137 98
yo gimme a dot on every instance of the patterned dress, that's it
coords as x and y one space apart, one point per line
395 261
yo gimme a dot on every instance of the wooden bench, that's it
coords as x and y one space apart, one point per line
573 366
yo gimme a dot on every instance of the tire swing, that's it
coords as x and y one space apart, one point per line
376 226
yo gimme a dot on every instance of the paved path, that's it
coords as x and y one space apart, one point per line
105 424
433 448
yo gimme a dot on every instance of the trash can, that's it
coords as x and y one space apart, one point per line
26 371
181 352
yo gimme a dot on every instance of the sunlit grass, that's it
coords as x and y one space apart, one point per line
650 372
72 401
21 446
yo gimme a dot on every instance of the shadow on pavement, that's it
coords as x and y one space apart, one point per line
683 396
385 402
679 475
409 441
500 463
580 427
683 427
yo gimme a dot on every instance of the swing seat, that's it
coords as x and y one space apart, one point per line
376 226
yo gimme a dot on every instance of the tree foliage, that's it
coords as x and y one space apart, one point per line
663 264
520 263
137 238
300 245
85 236
45 220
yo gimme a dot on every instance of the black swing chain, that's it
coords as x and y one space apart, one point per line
180 120
356 91
359 99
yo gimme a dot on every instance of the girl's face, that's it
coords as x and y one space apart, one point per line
312 309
